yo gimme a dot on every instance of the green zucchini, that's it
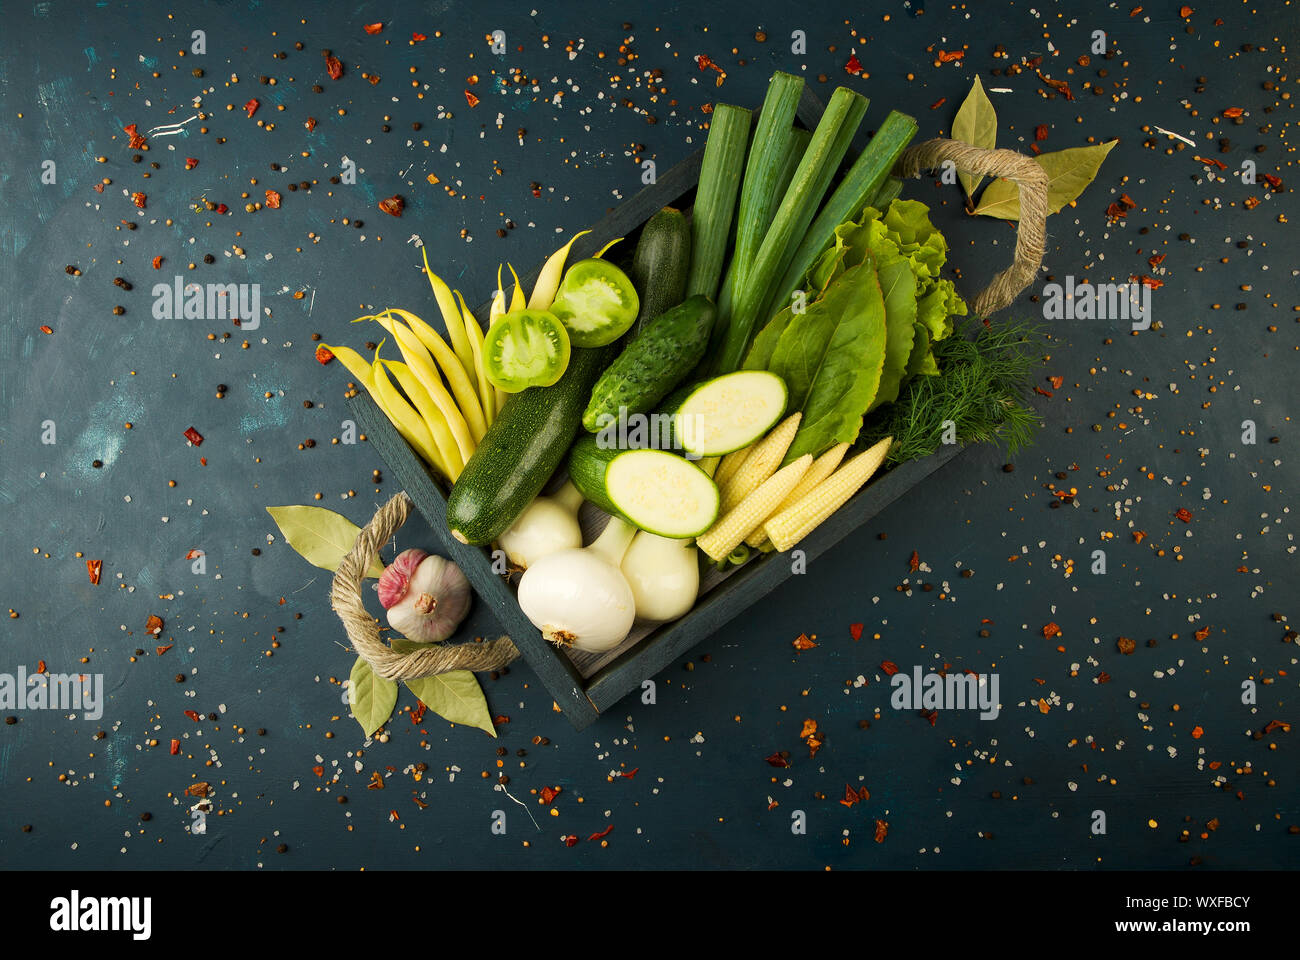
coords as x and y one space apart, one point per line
729 412
661 264
653 362
654 490
520 451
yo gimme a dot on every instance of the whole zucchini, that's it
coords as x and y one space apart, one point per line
520 451
661 264
654 361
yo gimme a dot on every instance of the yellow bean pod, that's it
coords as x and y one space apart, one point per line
443 441
548 281
457 377
450 315
474 332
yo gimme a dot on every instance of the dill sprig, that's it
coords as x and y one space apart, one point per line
982 386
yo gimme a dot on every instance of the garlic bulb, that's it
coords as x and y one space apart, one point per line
425 596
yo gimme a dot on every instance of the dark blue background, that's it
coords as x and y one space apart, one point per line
701 793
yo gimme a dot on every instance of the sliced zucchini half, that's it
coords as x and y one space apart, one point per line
729 412
655 490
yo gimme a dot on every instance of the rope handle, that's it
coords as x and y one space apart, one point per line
363 631
1031 235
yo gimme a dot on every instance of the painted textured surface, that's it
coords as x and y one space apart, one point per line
1165 745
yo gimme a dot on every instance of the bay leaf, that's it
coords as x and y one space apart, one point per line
321 536
1069 172
372 698
976 123
403 645
457 697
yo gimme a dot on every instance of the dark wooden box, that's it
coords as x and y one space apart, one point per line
586 685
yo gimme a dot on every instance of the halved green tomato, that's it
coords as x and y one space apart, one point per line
525 348
596 302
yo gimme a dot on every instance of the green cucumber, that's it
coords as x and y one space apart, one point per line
653 362
661 264
654 490
520 451
727 413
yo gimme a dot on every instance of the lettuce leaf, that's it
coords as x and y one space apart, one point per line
831 357
898 287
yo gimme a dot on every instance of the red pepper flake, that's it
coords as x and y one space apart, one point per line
1127 202
776 760
1115 212
418 37
273 199
157 263
914 563
1277 725
1156 259
222 208
175 748
1139 536
372 28
191 163
1202 633
193 554
46 328
376 781
392 815
882 830
889 667
549 794
98 188
500 720
809 728
1056 381
393 205
193 716
323 355
1035 149
802 642
1051 630
417 714
1151 283
1211 161
938 103
855 631
702 61
138 199
1233 112
93 567
318 770
948 56
200 789
1197 732
334 67
629 774
471 99
571 840
250 108
159 651
310 124
933 716
193 436
1041 392
137 139
154 625
853 66
1135 11
1060 86
850 796
1275 183
1184 12
40 666
1040 132
604 833
1184 515
203 460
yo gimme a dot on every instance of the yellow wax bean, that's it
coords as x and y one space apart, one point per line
450 315
443 441
548 281
475 334
451 367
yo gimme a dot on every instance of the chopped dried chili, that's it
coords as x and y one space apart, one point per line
334 67
93 567
372 28
138 199
604 833
471 99
548 794
194 437
193 716
802 642
250 108
323 354
776 760
889 667
855 631
273 199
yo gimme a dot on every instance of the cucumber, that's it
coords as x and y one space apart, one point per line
729 412
520 451
654 490
653 362
661 264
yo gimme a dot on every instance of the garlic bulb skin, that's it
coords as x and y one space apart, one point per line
426 596
548 525
664 575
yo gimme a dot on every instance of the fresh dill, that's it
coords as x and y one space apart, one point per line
983 386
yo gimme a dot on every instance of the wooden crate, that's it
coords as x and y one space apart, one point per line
586 685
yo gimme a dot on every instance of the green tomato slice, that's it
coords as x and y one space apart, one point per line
525 348
596 302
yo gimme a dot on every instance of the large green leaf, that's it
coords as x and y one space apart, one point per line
1069 172
831 358
372 698
455 696
976 123
898 287
322 536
